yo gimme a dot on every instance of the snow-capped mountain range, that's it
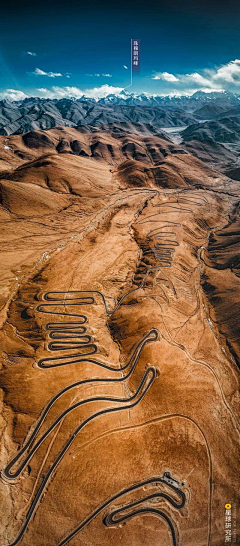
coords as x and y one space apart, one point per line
159 111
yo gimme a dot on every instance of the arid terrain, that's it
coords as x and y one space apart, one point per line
120 305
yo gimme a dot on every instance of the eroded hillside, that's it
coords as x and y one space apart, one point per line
120 344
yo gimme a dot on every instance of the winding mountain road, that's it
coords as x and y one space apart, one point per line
110 519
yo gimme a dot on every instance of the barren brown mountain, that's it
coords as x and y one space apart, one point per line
120 306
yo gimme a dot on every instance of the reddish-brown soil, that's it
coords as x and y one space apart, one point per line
134 219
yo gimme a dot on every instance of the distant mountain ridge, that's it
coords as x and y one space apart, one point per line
224 130
161 111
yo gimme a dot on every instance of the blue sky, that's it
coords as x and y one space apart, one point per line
67 48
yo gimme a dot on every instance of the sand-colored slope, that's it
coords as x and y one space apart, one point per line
167 396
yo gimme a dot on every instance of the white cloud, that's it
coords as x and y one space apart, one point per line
198 79
126 67
225 77
98 75
39 72
54 74
165 76
31 53
13 94
103 91
75 92
229 72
